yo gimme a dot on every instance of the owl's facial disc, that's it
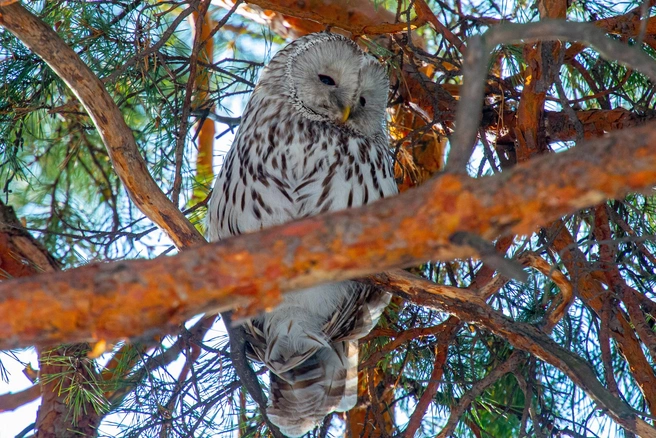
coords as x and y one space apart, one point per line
337 82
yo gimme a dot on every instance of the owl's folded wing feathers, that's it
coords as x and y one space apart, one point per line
358 315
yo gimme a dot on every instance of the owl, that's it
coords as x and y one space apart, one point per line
312 139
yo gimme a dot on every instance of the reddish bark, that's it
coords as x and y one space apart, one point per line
451 326
89 302
542 65
22 256
57 416
296 18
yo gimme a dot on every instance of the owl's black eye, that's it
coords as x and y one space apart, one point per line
363 101
326 80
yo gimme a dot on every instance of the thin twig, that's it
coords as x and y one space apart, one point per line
150 50
508 366
244 371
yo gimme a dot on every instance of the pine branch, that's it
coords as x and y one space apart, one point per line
508 366
469 307
116 135
401 231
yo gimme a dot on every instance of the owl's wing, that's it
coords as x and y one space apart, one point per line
261 348
357 315
306 387
353 319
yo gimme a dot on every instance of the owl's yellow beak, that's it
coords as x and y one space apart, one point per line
346 113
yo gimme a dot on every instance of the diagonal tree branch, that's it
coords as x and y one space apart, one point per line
441 356
116 135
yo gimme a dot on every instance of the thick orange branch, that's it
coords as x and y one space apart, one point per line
89 302
359 17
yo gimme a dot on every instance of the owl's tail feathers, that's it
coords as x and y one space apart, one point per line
326 382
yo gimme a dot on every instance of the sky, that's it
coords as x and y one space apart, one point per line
12 423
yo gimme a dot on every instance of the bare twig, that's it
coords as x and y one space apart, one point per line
146 52
604 341
424 11
136 377
585 33
14 400
568 110
468 112
230 121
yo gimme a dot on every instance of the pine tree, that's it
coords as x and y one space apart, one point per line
524 149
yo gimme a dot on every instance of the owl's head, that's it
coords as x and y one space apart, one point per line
331 79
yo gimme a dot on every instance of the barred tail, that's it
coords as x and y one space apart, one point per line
325 382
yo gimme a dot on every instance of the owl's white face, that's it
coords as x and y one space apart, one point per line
344 86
